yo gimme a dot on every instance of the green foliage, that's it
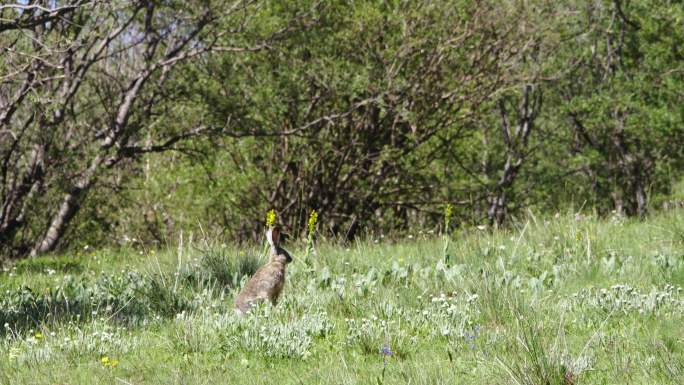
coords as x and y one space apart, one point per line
373 113
622 104
392 108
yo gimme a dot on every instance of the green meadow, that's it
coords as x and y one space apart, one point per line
559 300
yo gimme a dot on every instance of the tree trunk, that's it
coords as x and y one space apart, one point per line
67 209
640 196
497 209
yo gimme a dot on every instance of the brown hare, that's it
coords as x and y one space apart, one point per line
268 281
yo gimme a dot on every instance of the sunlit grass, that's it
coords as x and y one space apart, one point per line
565 300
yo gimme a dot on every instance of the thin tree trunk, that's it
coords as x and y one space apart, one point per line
641 200
67 209
497 209
516 142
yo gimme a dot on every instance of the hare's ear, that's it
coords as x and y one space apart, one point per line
273 236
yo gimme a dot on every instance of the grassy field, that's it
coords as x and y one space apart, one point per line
569 300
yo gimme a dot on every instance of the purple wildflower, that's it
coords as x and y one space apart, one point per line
386 352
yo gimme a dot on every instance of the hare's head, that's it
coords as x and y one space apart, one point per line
278 254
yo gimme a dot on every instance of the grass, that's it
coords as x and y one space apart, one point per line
569 300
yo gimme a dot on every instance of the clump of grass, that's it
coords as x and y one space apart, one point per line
495 297
227 270
533 359
265 331
371 334
164 299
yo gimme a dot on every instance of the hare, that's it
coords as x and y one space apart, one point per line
268 281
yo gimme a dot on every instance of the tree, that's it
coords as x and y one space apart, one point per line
83 86
348 114
622 101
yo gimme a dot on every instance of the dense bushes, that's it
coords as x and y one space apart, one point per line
375 114
396 110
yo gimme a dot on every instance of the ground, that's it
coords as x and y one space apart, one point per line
566 300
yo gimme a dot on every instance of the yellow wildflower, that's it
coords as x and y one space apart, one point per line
313 219
448 214
270 218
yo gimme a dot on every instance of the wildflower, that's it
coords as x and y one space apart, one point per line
313 220
386 352
109 362
38 335
448 213
270 218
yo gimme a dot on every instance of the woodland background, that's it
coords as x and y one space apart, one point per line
132 121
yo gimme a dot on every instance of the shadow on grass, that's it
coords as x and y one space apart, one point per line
62 264
124 297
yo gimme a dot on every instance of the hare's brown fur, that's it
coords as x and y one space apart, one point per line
267 283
